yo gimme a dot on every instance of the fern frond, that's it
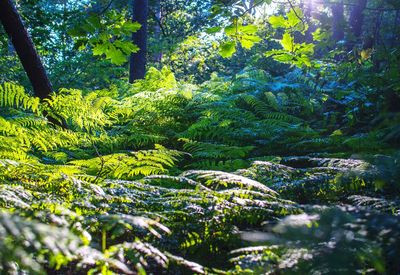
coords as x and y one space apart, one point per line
381 204
214 179
228 165
215 151
24 242
143 162
14 96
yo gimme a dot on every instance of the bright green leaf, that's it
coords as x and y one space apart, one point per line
116 56
288 42
131 26
227 49
100 49
213 30
277 21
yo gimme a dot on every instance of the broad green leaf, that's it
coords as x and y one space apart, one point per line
230 30
295 17
306 48
213 30
304 60
277 22
116 56
88 27
94 20
288 42
126 46
227 49
248 29
215 10
248 41
274 52
319 35
100 49
131 26
285 58
77 32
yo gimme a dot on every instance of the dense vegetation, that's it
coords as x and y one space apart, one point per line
263 139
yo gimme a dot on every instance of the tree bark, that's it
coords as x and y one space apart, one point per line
396 38
138 59
338 22
357 18
25 49
157 30
308 17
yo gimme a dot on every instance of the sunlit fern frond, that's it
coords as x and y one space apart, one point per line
81 112
218 179
215 151
14 96
131 165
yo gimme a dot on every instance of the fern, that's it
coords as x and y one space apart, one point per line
14 96
381 204
118 197
215 151
143 162
80 112
216 179
23 241
228 165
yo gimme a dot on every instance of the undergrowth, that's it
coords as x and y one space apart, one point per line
163 176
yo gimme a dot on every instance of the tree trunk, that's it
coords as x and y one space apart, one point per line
25 49
308 17
338 22
157 30
357 18
138 59
395 37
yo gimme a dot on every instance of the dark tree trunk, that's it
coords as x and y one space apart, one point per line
338 22
138 60
25 49
357 17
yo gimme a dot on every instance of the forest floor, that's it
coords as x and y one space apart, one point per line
253 176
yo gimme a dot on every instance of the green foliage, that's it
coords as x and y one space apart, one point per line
325 239
12 95
83 112
106 35
240 173
156 80
128 166
24 242
243 34
298 54
127 208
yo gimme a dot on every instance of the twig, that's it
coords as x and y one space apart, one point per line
102 161
251 7
158 21
107 7
300 18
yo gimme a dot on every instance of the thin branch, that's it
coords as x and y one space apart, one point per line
251 7
158 21
102 161
300 18
107 7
